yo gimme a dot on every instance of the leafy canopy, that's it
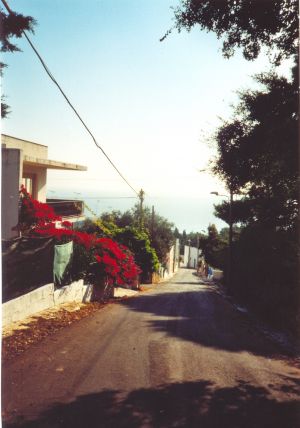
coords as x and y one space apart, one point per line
158 228
258 153
246 24
12 25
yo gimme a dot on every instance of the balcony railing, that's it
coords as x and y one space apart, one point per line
66 208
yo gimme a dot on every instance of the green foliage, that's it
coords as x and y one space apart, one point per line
183 241
89 226
249 25
259 154
4 108
162 236
191 238
214 247
130 236
138 242
81 262
117 219
158 229
12 25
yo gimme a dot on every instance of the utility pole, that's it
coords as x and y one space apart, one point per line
152 223
189 242
141 219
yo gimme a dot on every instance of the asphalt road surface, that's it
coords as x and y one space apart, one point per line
176 356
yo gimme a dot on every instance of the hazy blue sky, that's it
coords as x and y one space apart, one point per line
149 104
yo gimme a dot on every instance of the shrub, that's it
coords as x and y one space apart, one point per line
98 259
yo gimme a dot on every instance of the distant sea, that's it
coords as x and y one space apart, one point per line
189 214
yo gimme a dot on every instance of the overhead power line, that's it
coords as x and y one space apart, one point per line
68 101
109 197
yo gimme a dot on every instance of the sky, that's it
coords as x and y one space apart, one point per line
151 105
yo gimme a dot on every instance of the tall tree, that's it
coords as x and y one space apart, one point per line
156 227
12 26
160 230
258 152
246 24
213 246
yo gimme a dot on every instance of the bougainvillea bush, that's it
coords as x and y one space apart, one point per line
136 240
96 259
34 213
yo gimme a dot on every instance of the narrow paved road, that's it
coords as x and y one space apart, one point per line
176 356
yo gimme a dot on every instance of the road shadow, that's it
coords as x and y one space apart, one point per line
205 318
191 404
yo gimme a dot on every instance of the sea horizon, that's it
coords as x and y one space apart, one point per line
191 214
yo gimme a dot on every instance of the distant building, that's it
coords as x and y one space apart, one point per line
25 162
191 256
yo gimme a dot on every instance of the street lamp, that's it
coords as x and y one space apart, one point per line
230 222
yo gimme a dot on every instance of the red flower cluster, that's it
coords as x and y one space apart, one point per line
114 261
34 213
117 261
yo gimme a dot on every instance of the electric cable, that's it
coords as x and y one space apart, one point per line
68 101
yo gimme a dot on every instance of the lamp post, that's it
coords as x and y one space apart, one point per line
230 222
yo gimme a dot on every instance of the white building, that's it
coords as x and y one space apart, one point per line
191 255
25 162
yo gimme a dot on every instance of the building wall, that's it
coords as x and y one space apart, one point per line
29 148
191 255
38 174
10 185
170 263
39 181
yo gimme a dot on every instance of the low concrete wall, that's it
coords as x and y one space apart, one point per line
44 298
75 292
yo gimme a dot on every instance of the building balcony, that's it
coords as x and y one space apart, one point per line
67 208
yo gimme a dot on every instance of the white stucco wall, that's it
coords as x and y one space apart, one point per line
47 297
40 181
190 256
44 298
173 258
29 148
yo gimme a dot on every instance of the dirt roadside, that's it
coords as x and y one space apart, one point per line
19 336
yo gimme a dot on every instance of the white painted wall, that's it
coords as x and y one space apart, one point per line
173 259
190 256
39 181
44 298
29 148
